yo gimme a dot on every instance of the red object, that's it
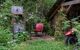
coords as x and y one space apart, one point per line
39 27
69 33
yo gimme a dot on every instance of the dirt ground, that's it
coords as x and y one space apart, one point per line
45 37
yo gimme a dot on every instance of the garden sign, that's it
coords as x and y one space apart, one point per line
17 10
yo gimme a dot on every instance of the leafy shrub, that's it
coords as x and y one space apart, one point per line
31 21
3 48
5 36
77 26
5 14
47 29
22 36
66 24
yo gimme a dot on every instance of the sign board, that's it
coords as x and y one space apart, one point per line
18 27
17 9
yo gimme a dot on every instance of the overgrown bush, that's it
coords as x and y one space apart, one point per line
47 29
31 21
77 26
5 36
3 48
5 13
23 36
66 24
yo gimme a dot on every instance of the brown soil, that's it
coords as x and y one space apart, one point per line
45 37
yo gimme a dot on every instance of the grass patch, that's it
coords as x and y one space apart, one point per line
42 45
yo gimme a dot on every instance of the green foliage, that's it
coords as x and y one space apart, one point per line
3 48
66 24
49 3
31 21
34 19
1 1
42 45
76 25
39 7
5 36
23 36
5 14
29 7
47 29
